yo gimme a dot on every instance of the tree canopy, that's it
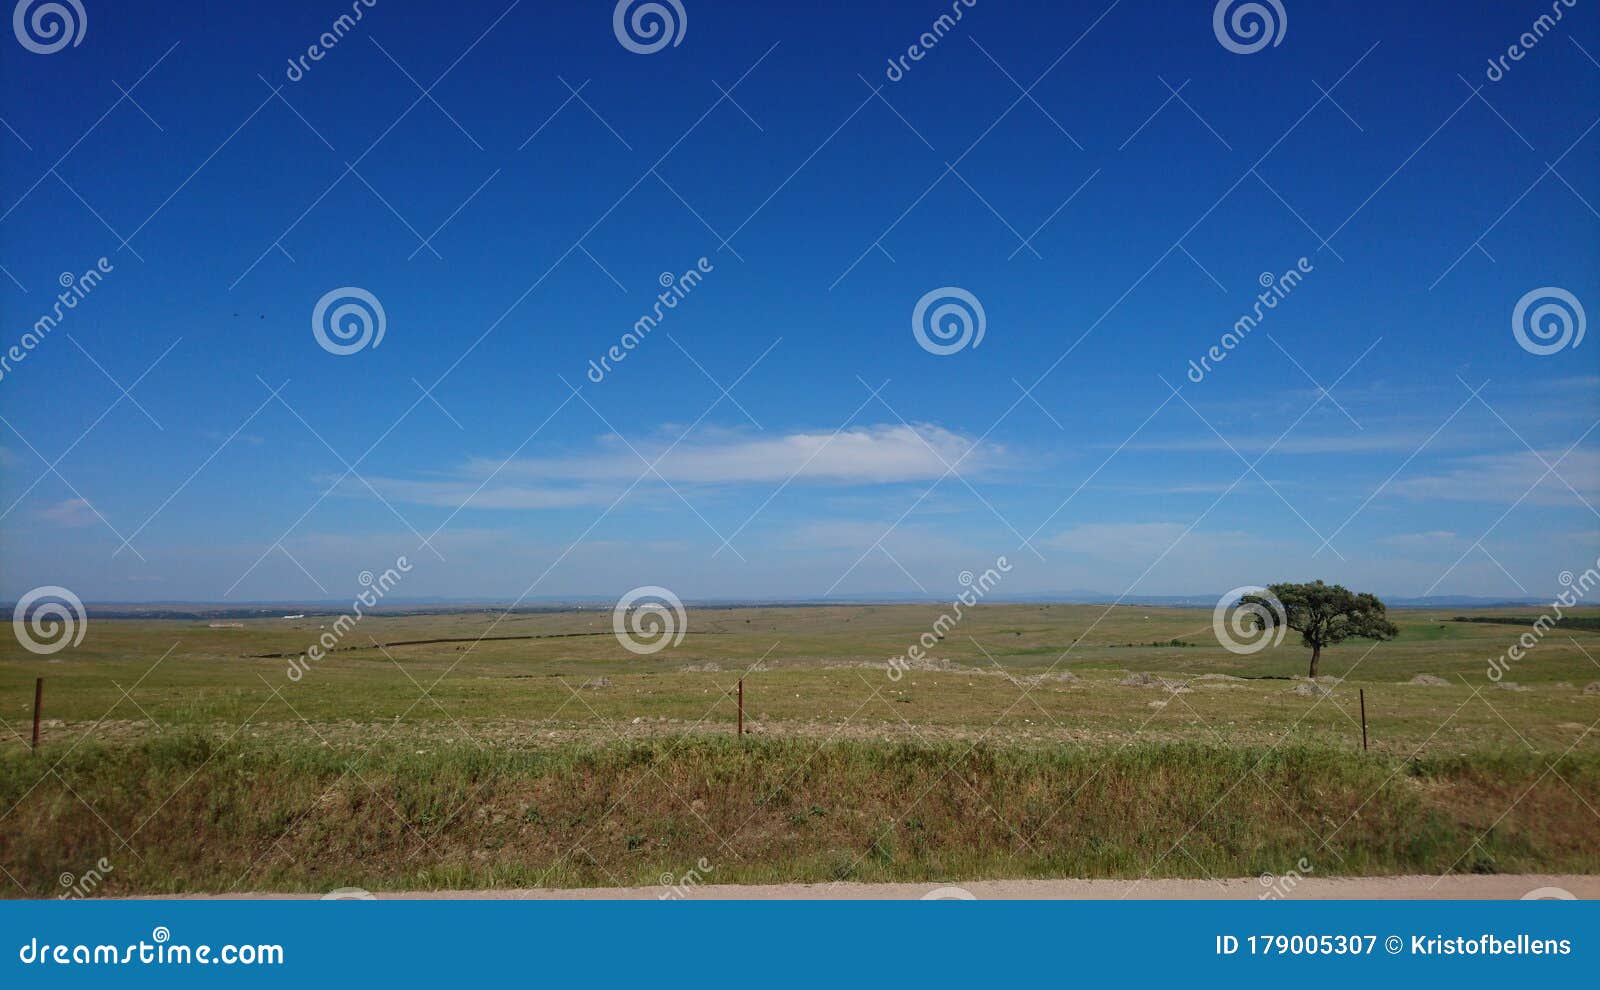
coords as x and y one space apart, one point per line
1323 614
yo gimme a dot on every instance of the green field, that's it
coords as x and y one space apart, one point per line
1050 741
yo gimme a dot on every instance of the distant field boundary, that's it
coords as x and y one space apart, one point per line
431 642
1584 622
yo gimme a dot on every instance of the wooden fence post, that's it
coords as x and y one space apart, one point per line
1363 719
741 707
38 702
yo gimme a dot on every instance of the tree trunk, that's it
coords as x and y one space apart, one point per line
1316 654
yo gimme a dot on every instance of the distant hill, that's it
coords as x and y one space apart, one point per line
435 606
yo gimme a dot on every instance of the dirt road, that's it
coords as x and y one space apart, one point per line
1307 888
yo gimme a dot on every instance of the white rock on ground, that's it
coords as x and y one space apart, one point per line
1429 680
1312 689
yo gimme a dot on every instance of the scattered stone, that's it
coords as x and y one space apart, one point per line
927 663
709 667
1429 680
1159 704
1144 679
1592 688
638 720
1218 677
1511 686
1311 689
1059 677
596 683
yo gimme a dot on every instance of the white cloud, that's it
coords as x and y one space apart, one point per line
1370 442
859 456
881 454
73 512
1506 477
494 495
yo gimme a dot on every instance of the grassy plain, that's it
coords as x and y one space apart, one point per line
1055 741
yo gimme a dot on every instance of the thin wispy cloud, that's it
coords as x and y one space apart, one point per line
855 457
1503 478
1351 442
1118 541
73 512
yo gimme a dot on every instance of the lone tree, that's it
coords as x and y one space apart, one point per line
1323 615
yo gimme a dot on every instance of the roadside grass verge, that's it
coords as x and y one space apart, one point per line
199 816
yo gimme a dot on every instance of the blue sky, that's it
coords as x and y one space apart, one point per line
514 221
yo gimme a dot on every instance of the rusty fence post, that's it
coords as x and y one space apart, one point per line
38 702
1363 692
